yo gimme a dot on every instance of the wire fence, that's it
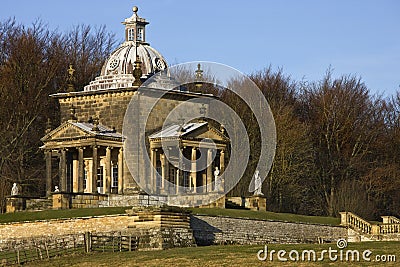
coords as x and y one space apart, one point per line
17 252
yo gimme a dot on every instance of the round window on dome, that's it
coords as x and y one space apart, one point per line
159 63
114 64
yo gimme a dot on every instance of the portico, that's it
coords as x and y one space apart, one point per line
185 158
89 158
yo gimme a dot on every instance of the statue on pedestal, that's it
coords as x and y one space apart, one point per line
257 184
217 180
14 190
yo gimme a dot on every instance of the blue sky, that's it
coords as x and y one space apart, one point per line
304 38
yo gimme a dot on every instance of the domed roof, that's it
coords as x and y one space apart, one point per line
122 60
117 70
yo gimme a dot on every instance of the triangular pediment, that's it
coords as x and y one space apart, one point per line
65 131
196 130
207 132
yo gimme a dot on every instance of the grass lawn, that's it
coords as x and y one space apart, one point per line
73 213
225 256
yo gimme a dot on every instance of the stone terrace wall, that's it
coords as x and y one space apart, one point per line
58 227
209 230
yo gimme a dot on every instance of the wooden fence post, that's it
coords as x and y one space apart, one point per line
18 259
88 242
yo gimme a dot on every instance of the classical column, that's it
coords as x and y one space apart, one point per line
209 170
163 169
152 168
48 172
177 181
81 170
107 179
179 171
95 164
75 175
63 170
222 161
120 171
222 167
166 170
193 170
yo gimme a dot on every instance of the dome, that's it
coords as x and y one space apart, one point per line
117 70
122 60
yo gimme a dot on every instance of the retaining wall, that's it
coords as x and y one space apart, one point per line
210 230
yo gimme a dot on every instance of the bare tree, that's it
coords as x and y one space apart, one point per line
33 64
345 123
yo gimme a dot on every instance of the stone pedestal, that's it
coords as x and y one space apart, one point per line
219 203
61 201
256 203
15 203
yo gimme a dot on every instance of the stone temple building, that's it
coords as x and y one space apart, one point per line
85 156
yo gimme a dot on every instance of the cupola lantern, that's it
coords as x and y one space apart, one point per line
135 28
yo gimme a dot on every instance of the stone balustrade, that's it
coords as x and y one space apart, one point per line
390 219
390 225
390 228
355 222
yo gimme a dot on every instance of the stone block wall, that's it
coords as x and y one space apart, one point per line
59 227
207 230
109 106
80 201
210 230
138 200
39 204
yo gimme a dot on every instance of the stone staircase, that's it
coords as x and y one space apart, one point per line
159 218
362 230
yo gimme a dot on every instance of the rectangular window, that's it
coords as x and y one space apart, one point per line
172 175
114 175
131 34
186 179
100 179
158 177
140 34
